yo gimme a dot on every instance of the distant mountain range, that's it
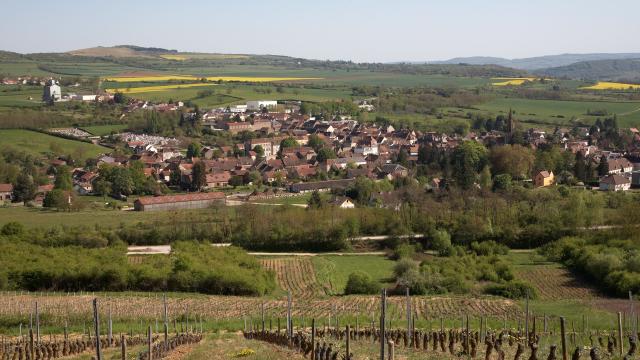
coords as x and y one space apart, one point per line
623 70
539 62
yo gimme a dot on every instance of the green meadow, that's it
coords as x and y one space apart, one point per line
38 144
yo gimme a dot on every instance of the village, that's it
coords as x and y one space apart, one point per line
282 152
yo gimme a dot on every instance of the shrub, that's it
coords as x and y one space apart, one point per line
360 282
403 266
512 290
441 242
12 228
403 251
487 248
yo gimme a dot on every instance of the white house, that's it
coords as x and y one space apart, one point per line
258 105
366 147
615 183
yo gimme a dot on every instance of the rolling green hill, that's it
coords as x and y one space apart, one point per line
625 70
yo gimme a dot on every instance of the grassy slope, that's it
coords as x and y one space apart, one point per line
548 110
38 143
334 270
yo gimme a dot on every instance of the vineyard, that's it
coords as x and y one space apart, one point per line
553 282
58 309
415 327
296 275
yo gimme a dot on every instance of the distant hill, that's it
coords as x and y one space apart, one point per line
122 51
539 62
626 70
10 56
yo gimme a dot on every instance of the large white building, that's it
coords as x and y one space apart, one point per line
52 92
258 105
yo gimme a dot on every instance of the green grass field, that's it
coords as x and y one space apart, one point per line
562 112
237 93
18 96
334 270
39 144
36 217
102 130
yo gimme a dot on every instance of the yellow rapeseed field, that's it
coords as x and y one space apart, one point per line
606 85
149 78
174 57
210 78
512 81
145 89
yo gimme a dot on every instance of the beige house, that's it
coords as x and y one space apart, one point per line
544 178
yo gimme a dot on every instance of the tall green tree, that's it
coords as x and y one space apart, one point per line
63 179
515 160
25 188
199 176
288 143
603 166
122 184
315 142
468 159
325 154
193 150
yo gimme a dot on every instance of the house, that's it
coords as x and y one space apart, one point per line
6 192
619 166
237 127
218 180
176 202
614 183
394 171
343 203
367 146
544 178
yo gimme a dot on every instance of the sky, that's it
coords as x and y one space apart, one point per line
361 31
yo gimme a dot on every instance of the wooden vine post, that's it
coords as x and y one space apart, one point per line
313 339
383 310
123 347
96 322
620 339
563 338
408 313
348 345
150 343
289 319
166 322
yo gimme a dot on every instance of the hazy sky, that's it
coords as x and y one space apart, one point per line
373 30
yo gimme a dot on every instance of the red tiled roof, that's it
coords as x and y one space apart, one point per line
6 188
45 188
151 200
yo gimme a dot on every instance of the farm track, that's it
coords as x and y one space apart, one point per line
60 307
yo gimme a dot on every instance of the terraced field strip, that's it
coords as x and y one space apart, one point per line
554 282
296 275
